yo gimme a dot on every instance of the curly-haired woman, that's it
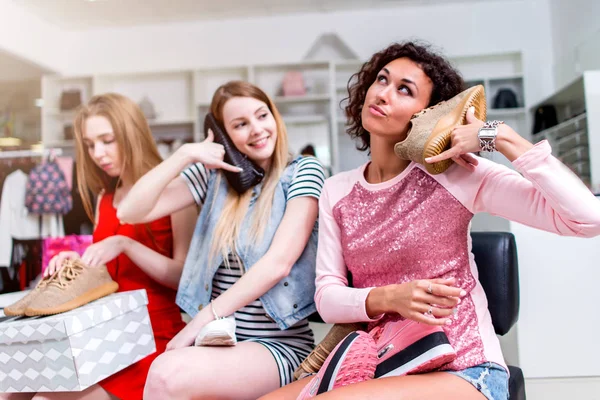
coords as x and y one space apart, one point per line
402 233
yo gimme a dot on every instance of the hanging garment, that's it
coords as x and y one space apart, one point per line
10 165
17 222
25 265
77 221
47 190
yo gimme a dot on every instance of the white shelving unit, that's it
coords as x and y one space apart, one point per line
498 72
182 98
352 157
575 140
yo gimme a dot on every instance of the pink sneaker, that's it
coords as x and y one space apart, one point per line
353 360
408 347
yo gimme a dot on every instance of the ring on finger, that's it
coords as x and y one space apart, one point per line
430 311
430 288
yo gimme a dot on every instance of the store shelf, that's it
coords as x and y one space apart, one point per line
506 112
167 122
60 143
309 98
304 119
181 99
563 129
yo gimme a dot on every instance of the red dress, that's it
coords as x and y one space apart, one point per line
164 313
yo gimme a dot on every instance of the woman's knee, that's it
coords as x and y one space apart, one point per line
44 396
161 377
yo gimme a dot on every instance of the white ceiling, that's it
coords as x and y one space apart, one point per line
84 14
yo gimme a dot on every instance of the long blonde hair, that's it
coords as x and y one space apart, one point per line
236 206
136 146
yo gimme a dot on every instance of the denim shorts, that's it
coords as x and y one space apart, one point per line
489 378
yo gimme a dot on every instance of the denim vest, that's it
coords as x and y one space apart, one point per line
290 300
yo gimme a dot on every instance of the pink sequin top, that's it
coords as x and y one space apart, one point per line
416 226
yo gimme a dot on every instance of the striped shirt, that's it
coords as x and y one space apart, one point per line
308 180
289 347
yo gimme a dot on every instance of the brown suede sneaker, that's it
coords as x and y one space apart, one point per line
431 128
18 308
313 363
74 285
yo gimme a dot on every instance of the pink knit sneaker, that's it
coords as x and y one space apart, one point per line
352 361
408 347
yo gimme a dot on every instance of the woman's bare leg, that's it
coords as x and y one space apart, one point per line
288 392
245 371
94 392
432 386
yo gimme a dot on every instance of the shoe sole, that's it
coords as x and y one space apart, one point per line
89 296
9 313
440 138
426 354
219 339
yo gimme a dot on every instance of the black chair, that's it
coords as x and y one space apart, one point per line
496 258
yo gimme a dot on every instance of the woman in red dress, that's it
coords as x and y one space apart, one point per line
114 149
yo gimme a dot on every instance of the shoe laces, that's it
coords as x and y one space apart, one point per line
424 111
70 270
315 360
376 332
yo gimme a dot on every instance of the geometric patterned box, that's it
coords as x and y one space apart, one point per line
74 350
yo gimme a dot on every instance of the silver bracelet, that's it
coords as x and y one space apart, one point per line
212 307
487 135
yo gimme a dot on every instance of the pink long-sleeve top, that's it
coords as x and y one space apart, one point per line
416 226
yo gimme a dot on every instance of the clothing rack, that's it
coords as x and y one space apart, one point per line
30 153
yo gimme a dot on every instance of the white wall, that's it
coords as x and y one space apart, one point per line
470 28
576 37
459 28
558 326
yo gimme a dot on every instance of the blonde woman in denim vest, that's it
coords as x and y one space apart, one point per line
252 256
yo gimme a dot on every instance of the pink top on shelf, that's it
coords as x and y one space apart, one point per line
416 226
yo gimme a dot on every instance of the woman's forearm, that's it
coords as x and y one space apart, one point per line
162 269
510 143
145 194
376 302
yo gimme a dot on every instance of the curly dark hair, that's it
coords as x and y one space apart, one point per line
447 82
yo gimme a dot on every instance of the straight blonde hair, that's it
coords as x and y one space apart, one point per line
236 206
134 139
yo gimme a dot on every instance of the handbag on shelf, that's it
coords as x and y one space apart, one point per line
505 98
545 117
293 84
70 99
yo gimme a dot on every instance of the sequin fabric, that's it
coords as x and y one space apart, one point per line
412 230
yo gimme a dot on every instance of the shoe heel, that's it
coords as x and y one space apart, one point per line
353 360
426 354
